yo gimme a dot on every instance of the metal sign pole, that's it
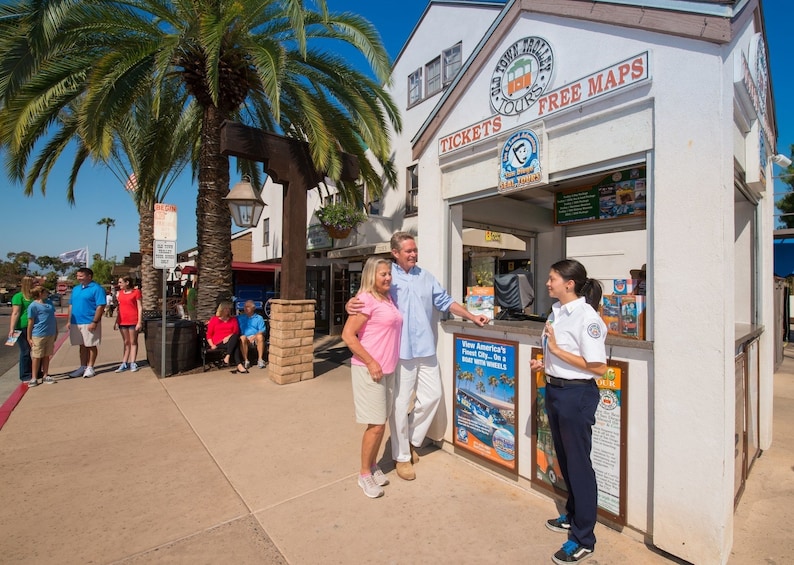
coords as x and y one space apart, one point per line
162 326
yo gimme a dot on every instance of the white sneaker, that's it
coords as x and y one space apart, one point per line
79 372
48 380
260 364
379 477
134 367
31 383
123 367
247 364
89 372
370 488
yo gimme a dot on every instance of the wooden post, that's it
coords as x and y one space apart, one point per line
288 162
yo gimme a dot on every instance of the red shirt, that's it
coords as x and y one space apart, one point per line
128 307
218 330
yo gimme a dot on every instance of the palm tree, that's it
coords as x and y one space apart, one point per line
261 62
108 223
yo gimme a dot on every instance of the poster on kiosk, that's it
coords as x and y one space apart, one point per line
485 399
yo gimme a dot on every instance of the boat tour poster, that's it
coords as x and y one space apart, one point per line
485 399
609 440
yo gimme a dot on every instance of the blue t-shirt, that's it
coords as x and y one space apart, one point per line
85 300
42 316
251 326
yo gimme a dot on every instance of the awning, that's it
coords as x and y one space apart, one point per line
189 270
492 240
259 267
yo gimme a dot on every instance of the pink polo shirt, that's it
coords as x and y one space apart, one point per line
380 334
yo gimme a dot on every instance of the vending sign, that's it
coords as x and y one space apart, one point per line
485 399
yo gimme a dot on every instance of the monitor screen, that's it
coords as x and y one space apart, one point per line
513 291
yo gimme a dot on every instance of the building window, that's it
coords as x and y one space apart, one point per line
266 234
373 205
415 87
433 76
452 62
412 192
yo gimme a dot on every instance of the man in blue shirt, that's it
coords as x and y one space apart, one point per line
85 320
417 294
252 330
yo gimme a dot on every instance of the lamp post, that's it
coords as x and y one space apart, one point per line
245 203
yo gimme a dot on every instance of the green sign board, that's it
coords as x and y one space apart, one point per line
620 194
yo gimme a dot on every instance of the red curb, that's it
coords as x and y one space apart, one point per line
9 405
12 401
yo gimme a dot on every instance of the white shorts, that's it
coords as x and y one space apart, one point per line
373 401
80 335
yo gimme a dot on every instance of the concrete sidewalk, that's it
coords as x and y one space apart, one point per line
225 468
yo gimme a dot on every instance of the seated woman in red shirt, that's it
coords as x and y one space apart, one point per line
223 332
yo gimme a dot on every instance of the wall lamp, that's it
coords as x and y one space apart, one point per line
245 203
781 160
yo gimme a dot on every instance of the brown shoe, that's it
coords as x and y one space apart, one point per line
405 470
414 455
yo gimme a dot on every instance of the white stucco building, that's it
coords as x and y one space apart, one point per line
650 128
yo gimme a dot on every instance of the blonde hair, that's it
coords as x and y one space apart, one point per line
369 272
224 305
27 283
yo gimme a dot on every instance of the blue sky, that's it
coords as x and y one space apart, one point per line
47 225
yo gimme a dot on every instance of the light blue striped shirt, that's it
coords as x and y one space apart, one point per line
416 293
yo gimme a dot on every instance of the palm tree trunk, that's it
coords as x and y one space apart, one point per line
214 223
107 233
151 283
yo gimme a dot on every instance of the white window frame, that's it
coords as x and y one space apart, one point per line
266 232
412 190
415 87
433 77
452 61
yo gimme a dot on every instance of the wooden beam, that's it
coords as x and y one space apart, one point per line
288 162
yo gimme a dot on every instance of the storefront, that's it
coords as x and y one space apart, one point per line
584 130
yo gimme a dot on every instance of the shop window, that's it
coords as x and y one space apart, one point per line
453 59
412 191
433 76
415 87
266 234
373 205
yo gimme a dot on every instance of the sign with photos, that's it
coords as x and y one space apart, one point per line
621 194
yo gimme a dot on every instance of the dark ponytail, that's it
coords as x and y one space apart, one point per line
573 270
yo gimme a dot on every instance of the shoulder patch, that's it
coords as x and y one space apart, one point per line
594 330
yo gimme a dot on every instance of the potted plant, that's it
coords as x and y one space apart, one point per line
339 218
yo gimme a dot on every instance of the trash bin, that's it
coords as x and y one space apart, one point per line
181 345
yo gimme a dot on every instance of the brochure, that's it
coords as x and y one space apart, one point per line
12 339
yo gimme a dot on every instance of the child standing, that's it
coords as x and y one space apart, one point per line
42 330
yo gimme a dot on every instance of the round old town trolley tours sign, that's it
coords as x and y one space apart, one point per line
522 74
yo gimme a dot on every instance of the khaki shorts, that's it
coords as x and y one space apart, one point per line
80 335
373 401
42 346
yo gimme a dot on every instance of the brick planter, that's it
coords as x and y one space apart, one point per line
291 352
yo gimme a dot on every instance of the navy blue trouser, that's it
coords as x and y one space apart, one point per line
571 412
25 362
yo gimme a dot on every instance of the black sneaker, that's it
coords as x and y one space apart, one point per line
561 524
571 552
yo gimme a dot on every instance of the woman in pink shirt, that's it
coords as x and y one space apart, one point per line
373 336
224 332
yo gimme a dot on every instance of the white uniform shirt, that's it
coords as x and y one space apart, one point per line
578 330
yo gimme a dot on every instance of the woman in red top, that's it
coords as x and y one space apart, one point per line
128 321
224 332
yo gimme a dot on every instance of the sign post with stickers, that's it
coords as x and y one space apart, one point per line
164 258
610 434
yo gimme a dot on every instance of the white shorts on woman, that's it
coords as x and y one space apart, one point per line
372 400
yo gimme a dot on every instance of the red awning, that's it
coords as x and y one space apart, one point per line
189 270
260 267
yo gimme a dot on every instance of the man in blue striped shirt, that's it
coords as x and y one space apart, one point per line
417 293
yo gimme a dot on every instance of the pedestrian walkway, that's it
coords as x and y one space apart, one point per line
233 469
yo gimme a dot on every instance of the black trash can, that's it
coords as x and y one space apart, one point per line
181 345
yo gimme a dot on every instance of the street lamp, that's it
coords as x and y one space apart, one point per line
245 203
178 273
